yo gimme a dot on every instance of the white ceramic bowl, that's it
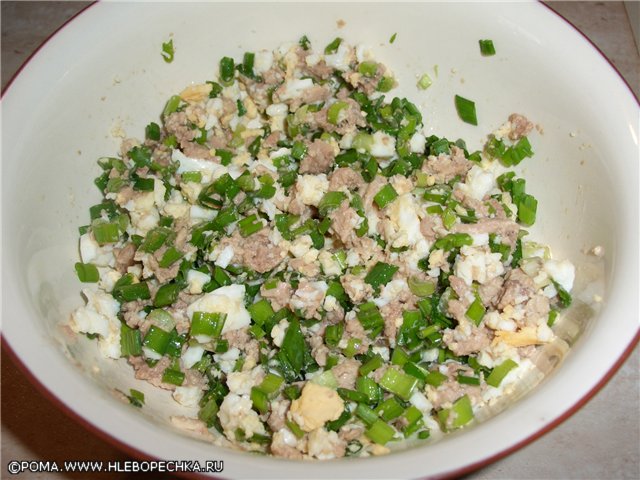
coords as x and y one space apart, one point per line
104 70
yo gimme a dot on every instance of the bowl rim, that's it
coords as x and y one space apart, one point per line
466 469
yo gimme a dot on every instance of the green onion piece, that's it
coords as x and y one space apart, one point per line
553 315
161 319
352 348
424 82
168 51
130 341
527 208
333 112
486 48
250 225
156 340
271 383
207 325
167 294
136 398
172 376
87 272
380 432
352 395
435 378
129 293
304 42
421 288
463 412
247 65
155 239
260 400
333 334
261 311
295 428
498 373
398 383
192 177
370 389
399 357
385 84
380 274
152 131
335 425
476 311
298 150
172 105
393 38
106 232
466 110
368 68
333 46
466 380
226 71
330 201
225 156
216 89
413 417
294 348
171 256
415 370
370 318
291 392
372 364
564 296
453 240
208 412
390 409
386 195
366 414
518 152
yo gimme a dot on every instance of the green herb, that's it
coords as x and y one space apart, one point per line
564 296
476 311
498 373
466 110
398 383
330 201
486 48
380 274
136 398
168 51
227 68
393 38
424 82
333 46
87 272
130 341
304 43
385 196
207 325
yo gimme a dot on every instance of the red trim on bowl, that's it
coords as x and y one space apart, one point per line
138 454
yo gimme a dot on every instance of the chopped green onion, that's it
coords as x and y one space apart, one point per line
250 225
486 48
304 42
152 131
399 357
206 325
208 412
476 311
161 319
156 340
372 364
87 272
435 378
368 68
130 341
398 383
385 84
393 38
421 288
353 345
333 334
453 240
386 195
462 411
168 51
424 82
352 395
169 257
295 428
369 388
498 373
390 409
553 315
167 294
216 89
106 232
564 296
271 383
380 433
370 318
155 239
172 105
226 71
330 201
260 400
366 414
466 380
261 311
173 376
247 65
129 293
333 46
527 207
466 110
380 274
136 398
333 112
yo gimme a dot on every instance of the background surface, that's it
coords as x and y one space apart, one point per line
601 441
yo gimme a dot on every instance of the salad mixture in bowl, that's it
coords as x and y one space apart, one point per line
289 252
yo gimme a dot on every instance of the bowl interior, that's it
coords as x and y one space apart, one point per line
100 78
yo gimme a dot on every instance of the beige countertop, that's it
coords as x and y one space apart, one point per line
601 441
